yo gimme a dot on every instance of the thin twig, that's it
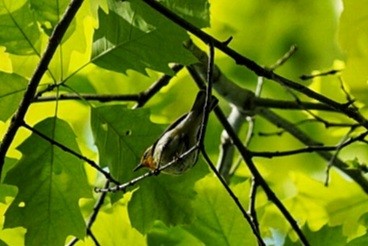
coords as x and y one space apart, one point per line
123 187
27 99
349 99
284 58
90 97
339 147
312 76
140 98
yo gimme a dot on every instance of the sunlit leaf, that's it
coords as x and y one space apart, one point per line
218 220
50 183
19 31
12 87
48 13
163 235
133 36
120 233
363 240
7 190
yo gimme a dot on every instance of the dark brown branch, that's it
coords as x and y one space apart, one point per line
312 76
42 67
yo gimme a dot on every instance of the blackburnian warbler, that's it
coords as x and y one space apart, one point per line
177 139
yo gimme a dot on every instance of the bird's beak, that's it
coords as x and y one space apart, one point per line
139 166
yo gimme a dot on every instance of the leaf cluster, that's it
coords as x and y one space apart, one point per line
82 95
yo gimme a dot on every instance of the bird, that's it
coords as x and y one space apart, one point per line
178 138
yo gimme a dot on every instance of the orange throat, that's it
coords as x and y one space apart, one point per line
149 162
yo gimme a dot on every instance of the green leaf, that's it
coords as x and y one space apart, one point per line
197 12
363 240
325 236
50 183
133 36
12 87
166 198
7 190
48 13
218 220
19 31
163 235
112 227
121 136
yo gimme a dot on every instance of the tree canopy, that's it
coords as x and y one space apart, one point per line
87 86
